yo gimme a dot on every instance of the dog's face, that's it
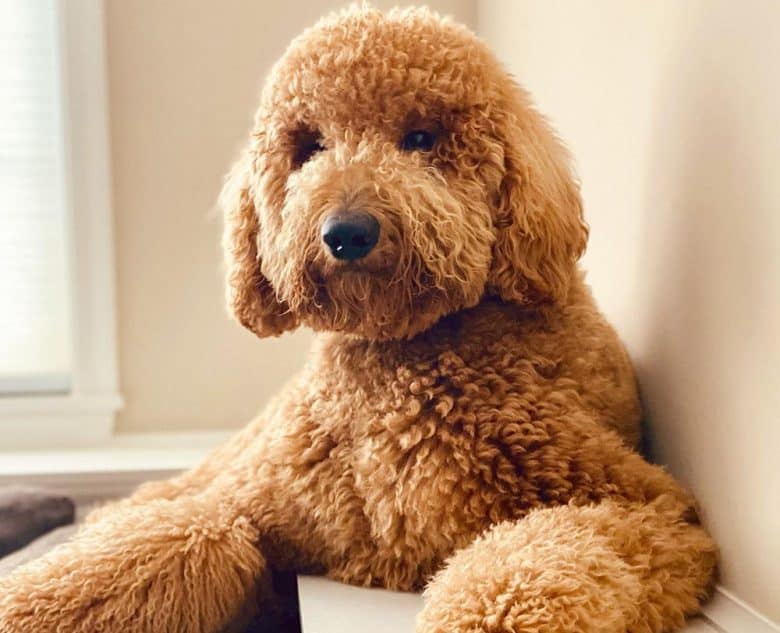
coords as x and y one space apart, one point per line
395 175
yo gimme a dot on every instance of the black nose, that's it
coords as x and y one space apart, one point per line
350 235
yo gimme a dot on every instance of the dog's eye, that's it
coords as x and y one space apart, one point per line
307 144
422 140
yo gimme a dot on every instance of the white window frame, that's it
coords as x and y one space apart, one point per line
85 415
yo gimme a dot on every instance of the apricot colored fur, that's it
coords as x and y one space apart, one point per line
467 419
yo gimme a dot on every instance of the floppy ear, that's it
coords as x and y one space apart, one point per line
541 232
251 297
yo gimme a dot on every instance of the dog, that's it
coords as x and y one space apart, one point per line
466 423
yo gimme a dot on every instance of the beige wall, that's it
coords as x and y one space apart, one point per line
184 76
671 109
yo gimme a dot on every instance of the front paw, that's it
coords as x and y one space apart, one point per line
20 609
164 567
541 575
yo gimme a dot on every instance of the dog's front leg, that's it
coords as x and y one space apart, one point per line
188 565
191 482
611 567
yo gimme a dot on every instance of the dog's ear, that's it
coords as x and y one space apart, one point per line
541 232
251 297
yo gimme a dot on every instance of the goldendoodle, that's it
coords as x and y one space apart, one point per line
466 422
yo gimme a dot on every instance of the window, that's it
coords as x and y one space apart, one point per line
58 382
35 335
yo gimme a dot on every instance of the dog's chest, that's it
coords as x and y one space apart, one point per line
452 452
418 455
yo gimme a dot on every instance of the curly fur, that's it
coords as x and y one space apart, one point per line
467 419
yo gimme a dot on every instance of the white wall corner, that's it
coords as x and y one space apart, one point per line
730 614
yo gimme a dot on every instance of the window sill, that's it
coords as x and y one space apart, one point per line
42 421
111 469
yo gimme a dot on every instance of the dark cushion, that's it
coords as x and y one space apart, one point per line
27 513
36 549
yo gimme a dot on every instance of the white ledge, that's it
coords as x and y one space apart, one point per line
729 613
51 420
111 469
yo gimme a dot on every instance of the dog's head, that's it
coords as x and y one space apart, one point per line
395 174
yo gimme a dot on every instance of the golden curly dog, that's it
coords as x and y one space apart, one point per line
467 420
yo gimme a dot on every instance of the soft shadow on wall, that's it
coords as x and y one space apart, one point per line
709 262
670 109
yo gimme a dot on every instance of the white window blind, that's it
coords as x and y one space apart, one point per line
35 333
